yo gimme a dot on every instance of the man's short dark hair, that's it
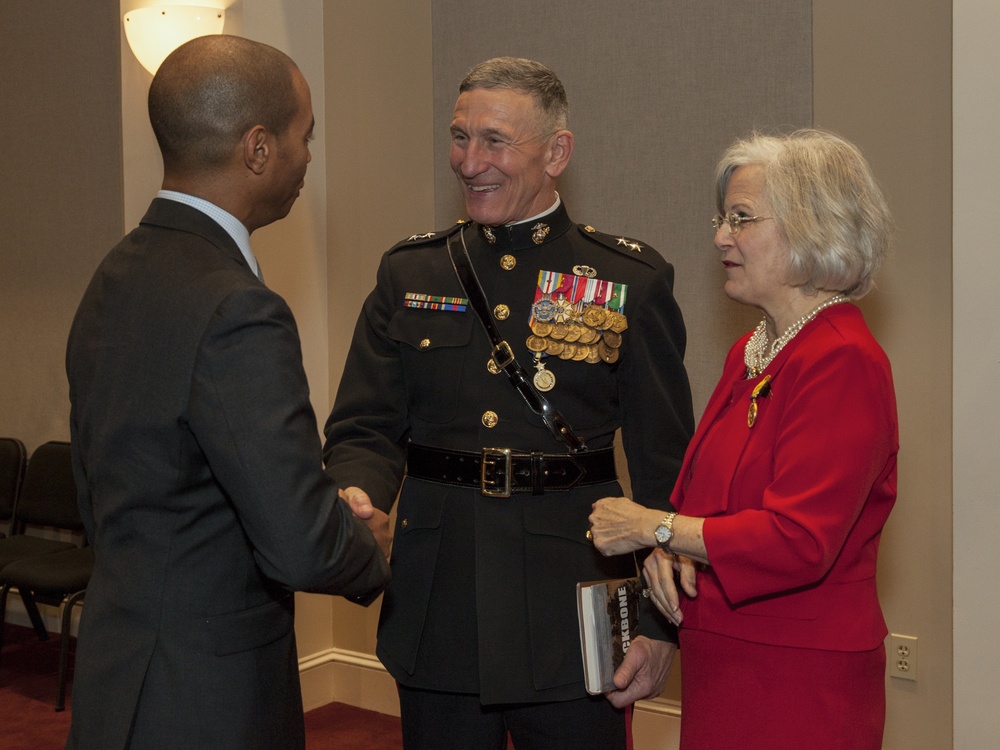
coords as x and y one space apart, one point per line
210 91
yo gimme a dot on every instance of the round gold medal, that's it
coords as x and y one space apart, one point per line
541 329
594 316
544 380
535 344
607 353
612 339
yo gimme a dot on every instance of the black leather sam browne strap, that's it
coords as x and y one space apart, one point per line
503 355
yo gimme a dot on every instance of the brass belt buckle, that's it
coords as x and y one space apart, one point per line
502 355
497 460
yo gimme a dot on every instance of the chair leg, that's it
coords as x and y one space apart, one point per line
67 623
3 611
36 619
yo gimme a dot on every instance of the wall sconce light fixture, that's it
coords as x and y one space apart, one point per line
155 32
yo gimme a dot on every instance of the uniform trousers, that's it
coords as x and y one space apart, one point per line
458 721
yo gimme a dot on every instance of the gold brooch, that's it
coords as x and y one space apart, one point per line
761 390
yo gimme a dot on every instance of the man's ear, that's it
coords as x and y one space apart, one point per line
560 150
256 148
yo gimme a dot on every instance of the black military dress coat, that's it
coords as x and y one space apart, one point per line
482 598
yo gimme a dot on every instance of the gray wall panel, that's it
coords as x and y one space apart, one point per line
657 90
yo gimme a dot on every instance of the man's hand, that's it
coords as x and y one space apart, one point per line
643 673
376 521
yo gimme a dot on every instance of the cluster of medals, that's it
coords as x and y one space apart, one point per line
576 319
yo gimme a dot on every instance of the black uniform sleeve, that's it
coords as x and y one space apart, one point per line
367 429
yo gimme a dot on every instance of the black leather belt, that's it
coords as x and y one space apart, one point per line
499 472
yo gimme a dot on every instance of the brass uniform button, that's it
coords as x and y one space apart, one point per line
490 419
507 262
501 312
425 344
404 523
491 366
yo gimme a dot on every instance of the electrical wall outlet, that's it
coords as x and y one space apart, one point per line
902 656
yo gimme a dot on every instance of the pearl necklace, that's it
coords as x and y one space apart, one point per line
754 353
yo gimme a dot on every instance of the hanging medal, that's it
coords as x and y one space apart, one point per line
544 380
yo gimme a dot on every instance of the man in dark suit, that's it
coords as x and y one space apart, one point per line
196 450
479 624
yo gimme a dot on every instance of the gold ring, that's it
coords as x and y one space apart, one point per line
590 537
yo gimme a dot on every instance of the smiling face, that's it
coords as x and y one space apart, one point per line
505 162
757 258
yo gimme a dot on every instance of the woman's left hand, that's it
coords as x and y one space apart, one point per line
659 573
618 525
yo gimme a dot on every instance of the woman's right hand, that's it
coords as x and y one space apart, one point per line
618 525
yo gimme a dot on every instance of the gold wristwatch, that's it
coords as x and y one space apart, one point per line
665 532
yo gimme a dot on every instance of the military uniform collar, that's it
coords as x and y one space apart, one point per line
527 234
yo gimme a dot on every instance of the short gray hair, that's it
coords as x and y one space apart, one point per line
824 199
526 76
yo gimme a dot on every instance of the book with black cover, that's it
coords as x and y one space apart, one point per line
609 620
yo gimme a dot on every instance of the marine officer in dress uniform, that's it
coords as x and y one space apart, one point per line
505 437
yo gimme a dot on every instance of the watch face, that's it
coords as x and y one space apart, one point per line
663 534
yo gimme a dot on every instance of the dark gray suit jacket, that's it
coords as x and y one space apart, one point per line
198 465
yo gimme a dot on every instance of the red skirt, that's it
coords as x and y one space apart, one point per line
736 694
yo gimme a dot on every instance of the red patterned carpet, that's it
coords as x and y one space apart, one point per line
28 685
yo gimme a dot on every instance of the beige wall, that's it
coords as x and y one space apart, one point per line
882 76
976 100
60 196
882 72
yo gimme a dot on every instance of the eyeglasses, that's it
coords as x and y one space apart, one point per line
735 221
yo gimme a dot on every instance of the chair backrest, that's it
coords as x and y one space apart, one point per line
48 494
13 460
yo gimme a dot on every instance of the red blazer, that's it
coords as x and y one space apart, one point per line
795 505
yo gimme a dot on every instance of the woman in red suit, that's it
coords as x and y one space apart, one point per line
791 474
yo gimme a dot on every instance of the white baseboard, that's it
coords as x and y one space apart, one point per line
360 680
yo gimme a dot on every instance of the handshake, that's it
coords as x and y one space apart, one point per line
376 520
